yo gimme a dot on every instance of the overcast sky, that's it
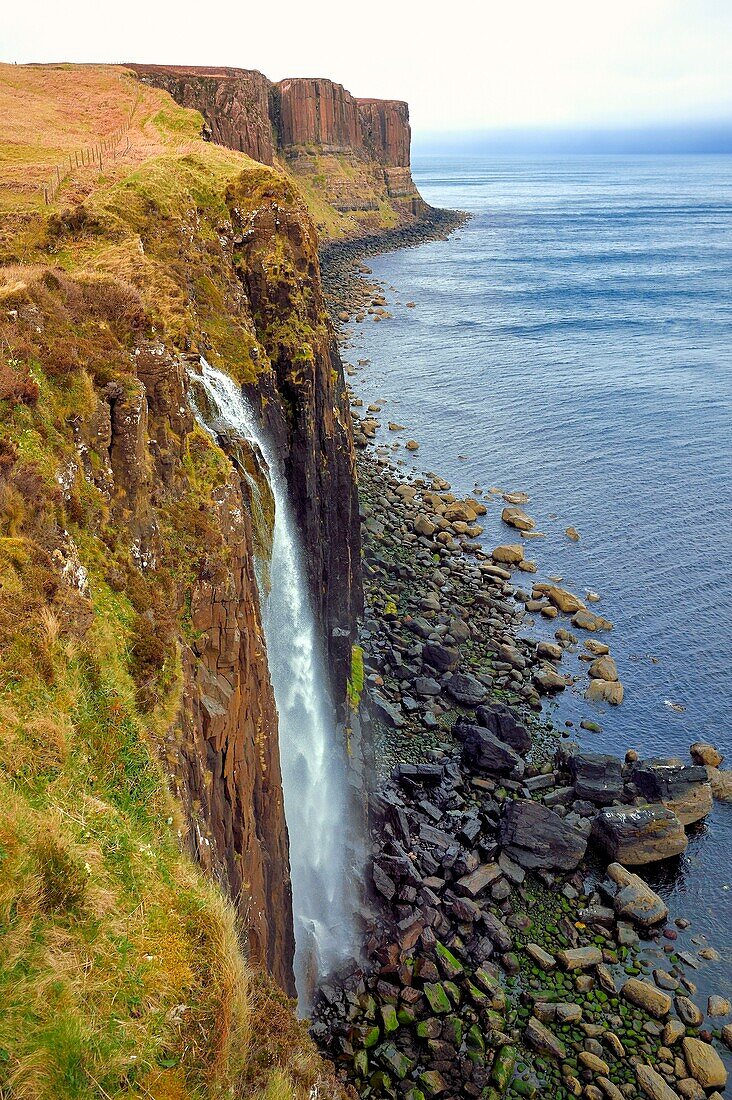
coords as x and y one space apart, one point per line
463 65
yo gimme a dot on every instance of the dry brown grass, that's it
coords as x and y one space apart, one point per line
49 112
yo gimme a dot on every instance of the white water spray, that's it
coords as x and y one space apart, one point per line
313 763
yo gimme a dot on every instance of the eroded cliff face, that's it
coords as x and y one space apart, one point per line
350 157
194 254
236 103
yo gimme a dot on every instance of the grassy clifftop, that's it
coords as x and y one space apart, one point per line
123 970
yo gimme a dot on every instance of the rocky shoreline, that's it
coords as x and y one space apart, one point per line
513 949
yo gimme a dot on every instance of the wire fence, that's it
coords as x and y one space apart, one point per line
108 149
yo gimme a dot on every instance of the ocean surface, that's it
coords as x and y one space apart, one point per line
574 341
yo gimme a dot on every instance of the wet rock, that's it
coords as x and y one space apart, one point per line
646 996
684 790
605 691
588 620
504 725
438 999
541 957
598 649
483 876
386 711
548 680
423 526
511 554
688 1012
603 668
549 650
426 686
597 777
635 835
718 1006
704 1063
534 836
579 958
672 1032
593 1063
562 599
516 517
634 899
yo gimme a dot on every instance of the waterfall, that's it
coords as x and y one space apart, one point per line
313 762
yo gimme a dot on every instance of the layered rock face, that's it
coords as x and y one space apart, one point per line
318 112
353 153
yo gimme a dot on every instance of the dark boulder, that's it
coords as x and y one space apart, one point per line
597 777
485 752
502 724
534 836
466 690
441 657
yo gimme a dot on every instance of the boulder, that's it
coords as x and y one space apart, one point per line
639 834
635 900
579 958
543 1040
704 753
386 711
516 517
684 789
705 1065
603 668
605 691
441 657
646 996
485 752
597 777
653 1084
502 723
466 690
564 600
511 554
688 1012
534 836
423 525
548 680
479 879
549 650
588 620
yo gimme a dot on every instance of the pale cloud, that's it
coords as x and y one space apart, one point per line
465 65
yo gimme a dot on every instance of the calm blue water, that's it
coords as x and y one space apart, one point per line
574 340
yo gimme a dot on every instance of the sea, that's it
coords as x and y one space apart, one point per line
573 341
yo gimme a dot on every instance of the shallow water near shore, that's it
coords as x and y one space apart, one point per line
573 341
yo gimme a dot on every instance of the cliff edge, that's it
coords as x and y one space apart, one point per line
350 157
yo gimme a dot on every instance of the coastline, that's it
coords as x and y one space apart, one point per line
432 771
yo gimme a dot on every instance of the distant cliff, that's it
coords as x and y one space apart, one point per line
350 156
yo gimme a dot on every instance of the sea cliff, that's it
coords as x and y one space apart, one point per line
143 822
